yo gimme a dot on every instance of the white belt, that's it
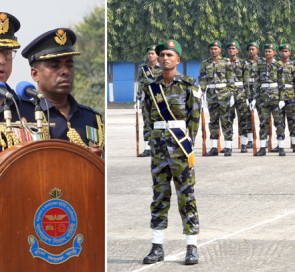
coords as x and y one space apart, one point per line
238 84
170 124
251 79
216 86
289 86
269 85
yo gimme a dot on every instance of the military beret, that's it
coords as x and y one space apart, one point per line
256 44
285 46
270 46
8 26
215 43
151 47
52 44
233 43
170 45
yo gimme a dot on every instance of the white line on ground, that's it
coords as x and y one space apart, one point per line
176 256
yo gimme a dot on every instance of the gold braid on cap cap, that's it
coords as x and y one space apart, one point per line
74 137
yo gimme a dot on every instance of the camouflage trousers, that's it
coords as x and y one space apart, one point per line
243 113
166 167
264 109
289 112
219 110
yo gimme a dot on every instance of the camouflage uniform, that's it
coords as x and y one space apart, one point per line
287 93
140 94
218 98
168 160
240 95
268 98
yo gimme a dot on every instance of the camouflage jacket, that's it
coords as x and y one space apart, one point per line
183 99
156 70
266 74
287 80
250 74
239 68
215 73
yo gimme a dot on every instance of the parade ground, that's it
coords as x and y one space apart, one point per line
246 206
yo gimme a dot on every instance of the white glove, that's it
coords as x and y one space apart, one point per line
232 101
252 105
281 104
247 102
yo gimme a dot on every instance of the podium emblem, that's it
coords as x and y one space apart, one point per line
55 224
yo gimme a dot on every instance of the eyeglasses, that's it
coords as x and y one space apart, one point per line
8 53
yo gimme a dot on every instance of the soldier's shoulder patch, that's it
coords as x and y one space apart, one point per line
89 109
190 80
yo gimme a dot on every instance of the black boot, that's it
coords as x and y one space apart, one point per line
249 144
275 150
145 153
213 152
223 150
192 256
227 152
261 152
244 149
156 255
293 147
282 152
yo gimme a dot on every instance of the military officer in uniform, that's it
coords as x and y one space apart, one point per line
251 67
172 110
149 69
240 96
286 87
217 81
267 95
9 25
51 57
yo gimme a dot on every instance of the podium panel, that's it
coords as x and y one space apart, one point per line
66 228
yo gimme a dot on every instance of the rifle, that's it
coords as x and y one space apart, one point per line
137 129
204 135
254 133
270 134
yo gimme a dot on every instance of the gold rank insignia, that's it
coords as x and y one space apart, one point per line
61 37
159 98
4 23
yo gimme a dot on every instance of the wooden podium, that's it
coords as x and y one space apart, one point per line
40 232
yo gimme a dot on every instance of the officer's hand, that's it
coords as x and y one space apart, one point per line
98 151
252 105
232 101
281 104
247 102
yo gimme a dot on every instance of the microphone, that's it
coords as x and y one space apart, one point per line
27 90
3 91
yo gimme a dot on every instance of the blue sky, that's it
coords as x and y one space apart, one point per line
37 17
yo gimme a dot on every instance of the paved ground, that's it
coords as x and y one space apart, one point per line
246 207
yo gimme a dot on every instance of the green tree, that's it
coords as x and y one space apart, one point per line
89 67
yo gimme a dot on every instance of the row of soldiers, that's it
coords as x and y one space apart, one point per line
232 85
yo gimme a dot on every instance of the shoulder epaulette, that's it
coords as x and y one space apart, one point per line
90 109
190 80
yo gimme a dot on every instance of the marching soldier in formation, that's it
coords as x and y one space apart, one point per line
267 95
286 87
251 67
51 57
216 79
240 95
149 69
172 110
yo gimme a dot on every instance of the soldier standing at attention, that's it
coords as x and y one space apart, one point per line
147 70
172 110
240 96
286 87
217 79
251 67
267 95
